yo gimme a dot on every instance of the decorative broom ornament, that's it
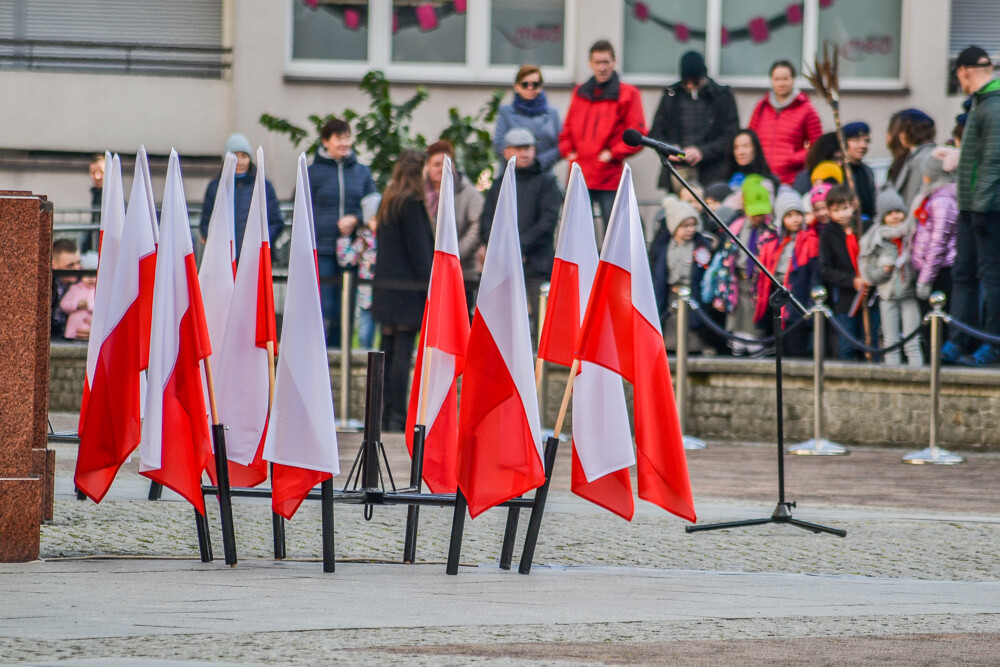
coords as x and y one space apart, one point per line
825 79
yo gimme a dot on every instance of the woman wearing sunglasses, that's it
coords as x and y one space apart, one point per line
530 110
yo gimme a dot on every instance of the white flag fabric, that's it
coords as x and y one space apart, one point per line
242 385
216 272
302 429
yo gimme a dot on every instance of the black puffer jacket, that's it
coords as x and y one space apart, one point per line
723 124
337 189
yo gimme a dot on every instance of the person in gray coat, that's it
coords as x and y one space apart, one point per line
884 261
530 110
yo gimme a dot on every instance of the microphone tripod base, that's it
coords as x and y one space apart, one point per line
782 514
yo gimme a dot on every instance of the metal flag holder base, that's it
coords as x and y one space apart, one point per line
933 456
820 447
780 298
366 485
691 442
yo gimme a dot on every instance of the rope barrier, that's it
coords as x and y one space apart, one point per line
972 331
746 340
859 345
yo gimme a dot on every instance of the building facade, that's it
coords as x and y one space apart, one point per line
82 76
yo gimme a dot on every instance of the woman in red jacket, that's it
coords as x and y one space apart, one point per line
786 122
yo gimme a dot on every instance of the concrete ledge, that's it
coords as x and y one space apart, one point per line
733 399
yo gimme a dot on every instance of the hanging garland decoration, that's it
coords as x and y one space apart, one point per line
758 30
426 16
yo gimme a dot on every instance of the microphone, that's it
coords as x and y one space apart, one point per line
634 138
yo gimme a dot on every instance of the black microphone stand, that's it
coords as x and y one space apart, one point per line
780 297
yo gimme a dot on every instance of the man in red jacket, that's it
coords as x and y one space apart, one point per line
599 111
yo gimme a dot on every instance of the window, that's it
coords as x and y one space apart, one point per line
741 39
429 40
177 37
973 22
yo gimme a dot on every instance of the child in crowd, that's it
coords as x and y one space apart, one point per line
884 258
817 214
730 281
936 215
793 258
78 302
678 257
838 267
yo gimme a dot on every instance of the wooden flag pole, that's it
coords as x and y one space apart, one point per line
565 400
211 392
270 374
425 381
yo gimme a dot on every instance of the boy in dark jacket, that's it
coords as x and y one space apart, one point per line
838 267
338 183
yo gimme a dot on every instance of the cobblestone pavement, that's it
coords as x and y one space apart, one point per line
924 523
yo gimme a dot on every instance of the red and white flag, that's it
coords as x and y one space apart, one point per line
444 337
499 434
301 439
602 439
218 262
242 378
118 349
621 332
175 438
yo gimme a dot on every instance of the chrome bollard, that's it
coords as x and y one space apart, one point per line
818 445
934 454
681 395
345 423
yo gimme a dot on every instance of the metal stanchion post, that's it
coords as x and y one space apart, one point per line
345 423
934 454
818 445
681 394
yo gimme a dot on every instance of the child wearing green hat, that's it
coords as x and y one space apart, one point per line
729 283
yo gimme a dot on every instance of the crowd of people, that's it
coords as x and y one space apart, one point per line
802 200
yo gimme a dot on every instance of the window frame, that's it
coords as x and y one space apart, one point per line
476 69
810 46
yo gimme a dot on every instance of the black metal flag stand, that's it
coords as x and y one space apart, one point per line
366 486
780 297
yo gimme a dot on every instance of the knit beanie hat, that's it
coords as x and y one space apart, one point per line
786 200
887 201
756 196
238 143
941 164
827 169
818 193
718 191
676 212
692 66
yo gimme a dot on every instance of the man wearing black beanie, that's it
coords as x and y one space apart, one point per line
699 115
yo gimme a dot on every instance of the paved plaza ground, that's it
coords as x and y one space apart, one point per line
916 580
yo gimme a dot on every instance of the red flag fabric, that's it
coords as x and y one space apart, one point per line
175 437
499 434
110 414
621 332
602 440
301 436
445 333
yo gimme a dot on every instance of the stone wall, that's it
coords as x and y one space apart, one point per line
733 399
